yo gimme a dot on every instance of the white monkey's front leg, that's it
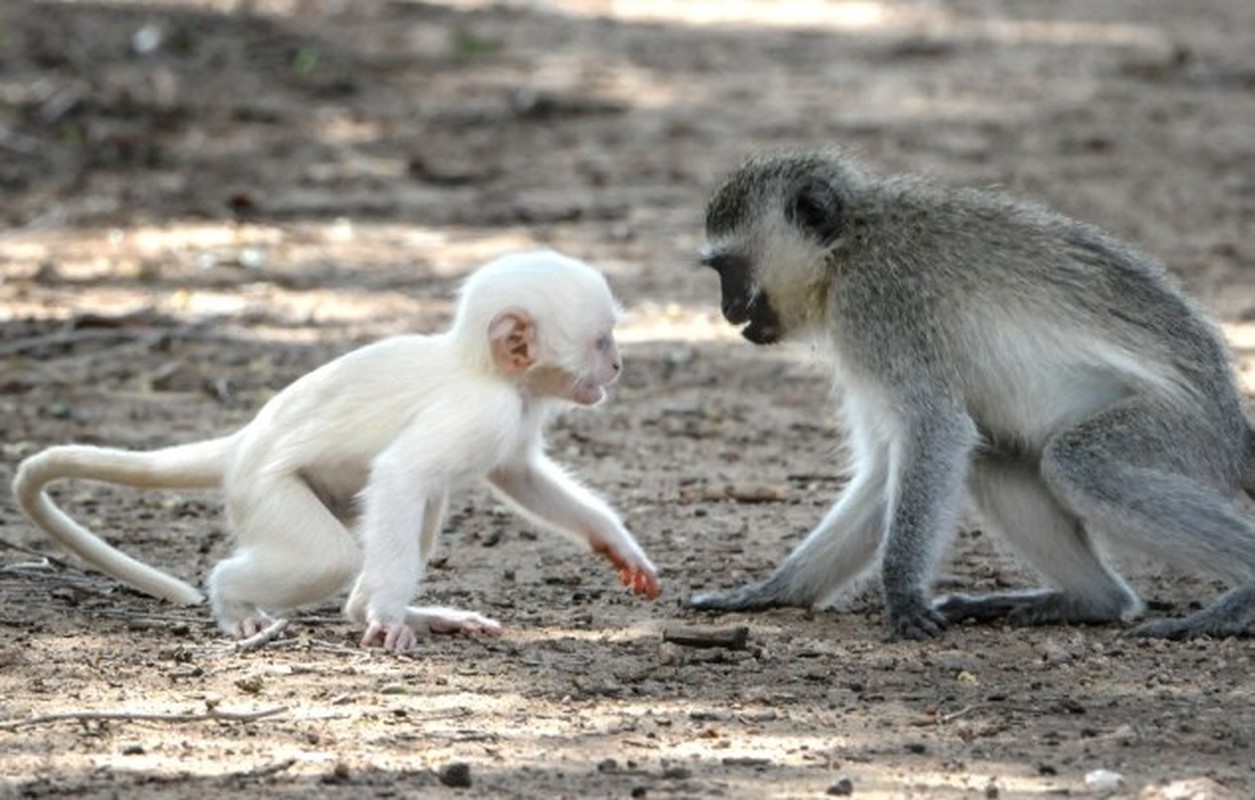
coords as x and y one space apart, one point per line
541 489
399 531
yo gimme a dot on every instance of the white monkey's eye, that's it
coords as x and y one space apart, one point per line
603 342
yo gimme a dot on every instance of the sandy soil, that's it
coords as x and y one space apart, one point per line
203 199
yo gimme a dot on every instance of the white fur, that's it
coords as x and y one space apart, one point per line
387 431
1036 379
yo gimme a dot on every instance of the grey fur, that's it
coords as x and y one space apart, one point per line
992 349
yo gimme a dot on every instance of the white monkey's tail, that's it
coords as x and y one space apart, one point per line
191 466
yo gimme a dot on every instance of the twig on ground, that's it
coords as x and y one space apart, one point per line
332 647
141 716
942 719
266 771
732 638
263 637
961 712
32 552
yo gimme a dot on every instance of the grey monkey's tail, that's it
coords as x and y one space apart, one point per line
191 466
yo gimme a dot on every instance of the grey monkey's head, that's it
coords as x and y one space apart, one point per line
771 227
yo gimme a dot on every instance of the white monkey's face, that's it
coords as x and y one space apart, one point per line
552 325
599 366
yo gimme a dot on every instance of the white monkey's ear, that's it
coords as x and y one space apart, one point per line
512 336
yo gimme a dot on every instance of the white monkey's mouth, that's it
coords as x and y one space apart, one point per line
586 394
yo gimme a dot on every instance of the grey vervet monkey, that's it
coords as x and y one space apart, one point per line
344 476
991 349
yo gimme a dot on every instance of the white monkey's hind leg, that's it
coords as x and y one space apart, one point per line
292 552
1015 502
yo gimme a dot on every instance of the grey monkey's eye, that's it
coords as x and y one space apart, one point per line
816 209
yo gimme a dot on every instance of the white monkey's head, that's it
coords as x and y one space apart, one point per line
544 320
771 229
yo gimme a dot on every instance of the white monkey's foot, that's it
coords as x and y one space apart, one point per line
262 638
442 620
241 621
423 621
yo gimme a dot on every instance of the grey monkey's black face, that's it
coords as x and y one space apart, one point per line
802 189
740 301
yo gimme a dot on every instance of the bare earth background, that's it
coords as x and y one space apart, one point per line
203 199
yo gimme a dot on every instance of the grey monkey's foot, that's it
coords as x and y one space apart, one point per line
758 596
1040 607
1206 623
1191 628
1175 629
1231 615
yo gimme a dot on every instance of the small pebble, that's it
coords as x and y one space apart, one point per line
844 787
1103 780
457 775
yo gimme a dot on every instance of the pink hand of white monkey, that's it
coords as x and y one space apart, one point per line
635 570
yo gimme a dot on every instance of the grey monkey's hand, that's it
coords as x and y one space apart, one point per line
914 619
757 596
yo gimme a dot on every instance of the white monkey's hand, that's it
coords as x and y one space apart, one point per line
636 571
395 636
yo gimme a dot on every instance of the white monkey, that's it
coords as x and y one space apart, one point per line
346 473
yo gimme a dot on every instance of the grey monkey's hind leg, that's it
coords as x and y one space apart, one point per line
1015 501
1162 502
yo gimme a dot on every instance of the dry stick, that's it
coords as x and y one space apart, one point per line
263 772
70 338
263 637
732 638
147 335
961 712
942 719
139 716
32 552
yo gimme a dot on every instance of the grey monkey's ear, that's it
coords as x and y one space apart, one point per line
815 208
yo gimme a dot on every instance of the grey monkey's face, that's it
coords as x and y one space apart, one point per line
767 225
741 301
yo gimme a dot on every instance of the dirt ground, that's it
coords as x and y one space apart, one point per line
202 199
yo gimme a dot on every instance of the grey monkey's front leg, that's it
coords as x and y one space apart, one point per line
929 463
757 596
833 554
